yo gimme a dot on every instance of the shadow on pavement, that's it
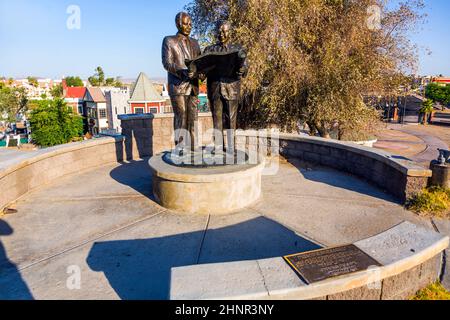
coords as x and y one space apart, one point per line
135 174
140 269
12 286
341 180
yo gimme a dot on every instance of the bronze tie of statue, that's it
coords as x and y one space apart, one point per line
224 89
183 85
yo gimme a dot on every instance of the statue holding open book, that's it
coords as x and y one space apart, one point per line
222 64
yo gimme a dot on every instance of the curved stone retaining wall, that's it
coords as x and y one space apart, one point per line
399 176
411 259
148 135
45 165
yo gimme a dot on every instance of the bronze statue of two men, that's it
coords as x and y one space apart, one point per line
223 90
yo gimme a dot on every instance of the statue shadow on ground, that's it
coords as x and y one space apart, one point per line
135 174
12 286
141 268
341 180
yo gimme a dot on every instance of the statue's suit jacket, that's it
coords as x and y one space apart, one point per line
175 50
219 86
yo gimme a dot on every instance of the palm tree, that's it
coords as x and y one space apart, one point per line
427 109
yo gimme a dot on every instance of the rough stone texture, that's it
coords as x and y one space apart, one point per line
414 185
362 293
148 135
402 286
443 226
407 284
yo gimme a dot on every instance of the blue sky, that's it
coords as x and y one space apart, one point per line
124 37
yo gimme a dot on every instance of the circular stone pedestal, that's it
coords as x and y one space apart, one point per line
205 190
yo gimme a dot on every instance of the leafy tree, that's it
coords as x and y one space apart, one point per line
438 93
13 101
98 79
53 122
57 91
74 82
110 82
33 81
314 61
118 82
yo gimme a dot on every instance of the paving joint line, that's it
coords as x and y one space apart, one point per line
90 241
203 239
264 279
337 199
300 234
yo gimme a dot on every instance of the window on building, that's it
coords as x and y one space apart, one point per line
102 113
139 110
153 110
80 109
124 110
115 110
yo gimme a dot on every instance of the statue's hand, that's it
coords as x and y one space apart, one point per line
202 76
183 74
191 75
241 72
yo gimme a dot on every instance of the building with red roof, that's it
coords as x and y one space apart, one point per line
442 80
74 98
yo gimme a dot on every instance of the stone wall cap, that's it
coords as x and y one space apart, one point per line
401 164
125 117
415 246
45 153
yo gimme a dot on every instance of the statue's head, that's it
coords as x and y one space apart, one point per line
224 31
184 23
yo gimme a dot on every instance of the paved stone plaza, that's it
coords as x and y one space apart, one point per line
105 222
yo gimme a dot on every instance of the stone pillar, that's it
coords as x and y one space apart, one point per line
150 134
441 174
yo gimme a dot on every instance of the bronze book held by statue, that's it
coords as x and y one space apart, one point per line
225 64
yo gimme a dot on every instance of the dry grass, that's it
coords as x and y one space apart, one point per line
434 291
434 201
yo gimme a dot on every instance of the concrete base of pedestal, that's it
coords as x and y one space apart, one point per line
212 190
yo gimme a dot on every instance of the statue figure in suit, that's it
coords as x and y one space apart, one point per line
183 85
224 91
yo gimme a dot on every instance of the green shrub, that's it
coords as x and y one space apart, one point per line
431 201
53 122
434 291
13 143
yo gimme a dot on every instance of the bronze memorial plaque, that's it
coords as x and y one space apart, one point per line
318 265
